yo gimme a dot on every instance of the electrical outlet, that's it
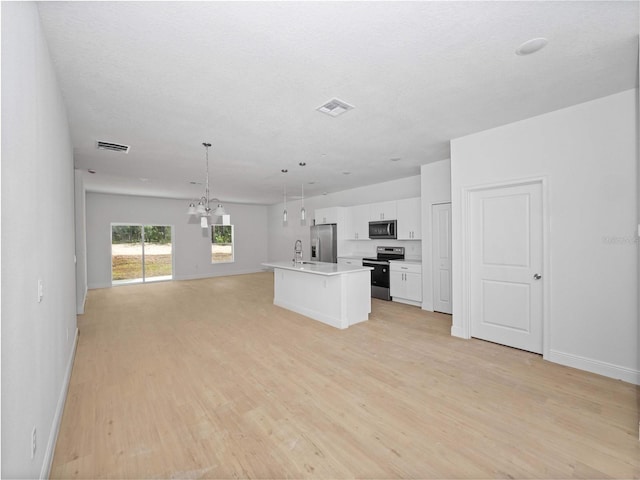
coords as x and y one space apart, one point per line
33 442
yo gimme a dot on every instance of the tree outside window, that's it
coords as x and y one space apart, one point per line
221 243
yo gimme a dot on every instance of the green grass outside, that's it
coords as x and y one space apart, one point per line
128 267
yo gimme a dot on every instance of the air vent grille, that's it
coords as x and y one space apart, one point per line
335 107
114 147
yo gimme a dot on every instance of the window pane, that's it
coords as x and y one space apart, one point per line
221 243
157 252
126 253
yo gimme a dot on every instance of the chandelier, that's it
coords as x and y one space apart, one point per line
203 209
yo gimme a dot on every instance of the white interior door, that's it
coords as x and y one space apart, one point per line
506 265
441 232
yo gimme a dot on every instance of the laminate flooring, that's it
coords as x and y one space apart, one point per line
208 379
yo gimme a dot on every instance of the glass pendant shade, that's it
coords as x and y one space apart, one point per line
219 211
284 212
303 212
192 209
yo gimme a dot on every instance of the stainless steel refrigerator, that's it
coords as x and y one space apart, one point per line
324 244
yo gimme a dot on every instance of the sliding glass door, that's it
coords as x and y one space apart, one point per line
141 253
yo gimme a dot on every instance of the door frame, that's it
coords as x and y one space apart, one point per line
142 244
465 211
433 252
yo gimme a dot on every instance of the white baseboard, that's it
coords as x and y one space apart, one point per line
610 370
321 317
407 302
80 305
57 419
456 331
200 276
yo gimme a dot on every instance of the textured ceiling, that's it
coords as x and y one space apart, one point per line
163 77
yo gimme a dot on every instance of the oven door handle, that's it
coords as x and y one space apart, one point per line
373 262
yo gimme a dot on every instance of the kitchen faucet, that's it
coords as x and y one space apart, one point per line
297 249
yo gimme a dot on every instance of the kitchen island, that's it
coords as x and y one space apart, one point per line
338 295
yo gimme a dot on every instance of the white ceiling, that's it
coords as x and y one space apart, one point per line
163 77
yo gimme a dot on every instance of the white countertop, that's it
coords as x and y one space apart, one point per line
415 261
318 268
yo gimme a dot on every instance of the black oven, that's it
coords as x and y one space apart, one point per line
380 277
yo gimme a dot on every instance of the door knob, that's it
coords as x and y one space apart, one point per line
537 276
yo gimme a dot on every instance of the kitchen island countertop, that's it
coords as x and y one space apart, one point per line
318 268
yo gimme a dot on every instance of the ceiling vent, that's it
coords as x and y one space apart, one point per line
114 147
335 107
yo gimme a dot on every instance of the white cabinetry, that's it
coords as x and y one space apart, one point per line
409 219
406 282
355 262
327 215
382 211
357 222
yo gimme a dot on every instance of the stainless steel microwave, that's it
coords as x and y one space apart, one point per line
382 229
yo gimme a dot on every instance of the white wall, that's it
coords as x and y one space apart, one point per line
588 154
81 242
37 243
436 188
282 239
192 244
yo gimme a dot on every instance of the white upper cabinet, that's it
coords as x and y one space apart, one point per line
357 227
382 211
409 219
327 215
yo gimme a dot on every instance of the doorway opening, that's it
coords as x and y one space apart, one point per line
141 253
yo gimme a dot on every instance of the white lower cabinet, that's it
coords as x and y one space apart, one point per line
406 282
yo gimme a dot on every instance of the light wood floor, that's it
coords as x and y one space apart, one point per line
207 379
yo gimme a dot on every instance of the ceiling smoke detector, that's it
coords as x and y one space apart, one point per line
114 147
335 107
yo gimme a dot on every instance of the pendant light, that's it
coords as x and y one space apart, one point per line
284 212
303 212
203 209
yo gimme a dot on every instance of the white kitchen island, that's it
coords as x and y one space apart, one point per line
338 295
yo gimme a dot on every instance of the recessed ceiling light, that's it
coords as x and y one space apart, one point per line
91 170
302 164
531 46
346 173
312 183
395 159
142 179
284 170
